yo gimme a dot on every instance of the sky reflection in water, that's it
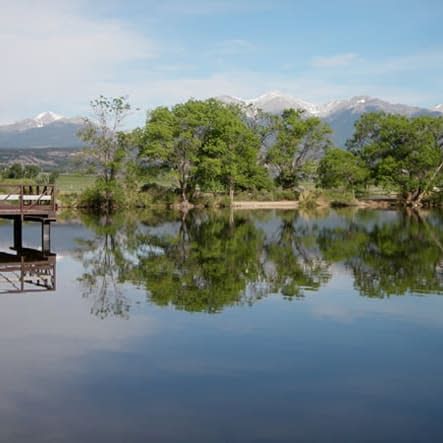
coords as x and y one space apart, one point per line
264 326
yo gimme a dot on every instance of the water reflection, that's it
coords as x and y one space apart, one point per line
29 270
105 265
207 261
394 258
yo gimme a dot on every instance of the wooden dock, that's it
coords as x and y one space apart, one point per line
27 269
28 202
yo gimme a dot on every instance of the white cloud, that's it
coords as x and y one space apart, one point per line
57 57
51 53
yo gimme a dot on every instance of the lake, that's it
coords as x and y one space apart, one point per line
267 326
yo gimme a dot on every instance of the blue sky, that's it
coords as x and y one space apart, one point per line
60 54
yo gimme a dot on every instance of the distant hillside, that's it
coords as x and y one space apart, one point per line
60 159
46 130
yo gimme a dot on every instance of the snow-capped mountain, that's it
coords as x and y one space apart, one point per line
46 129
46 118
340 114
40 120
274 102
343 114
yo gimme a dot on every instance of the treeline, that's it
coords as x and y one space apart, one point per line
202 147
31 172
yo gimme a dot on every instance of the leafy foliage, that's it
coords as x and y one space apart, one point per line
299 141
17 171
106 148
206 143
400 152
341 169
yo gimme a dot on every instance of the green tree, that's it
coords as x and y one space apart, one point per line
401 152
207 144
229 157
341 169
299 140
171 139
31 171
106 147
16 170
53 176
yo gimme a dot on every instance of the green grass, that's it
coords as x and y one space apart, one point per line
74 183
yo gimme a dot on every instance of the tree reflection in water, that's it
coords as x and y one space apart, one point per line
294 262
206 261
390 258
104 265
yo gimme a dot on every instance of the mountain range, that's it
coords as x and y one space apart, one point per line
46 130
341 115
50 130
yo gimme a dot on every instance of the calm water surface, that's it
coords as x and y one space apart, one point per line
218 327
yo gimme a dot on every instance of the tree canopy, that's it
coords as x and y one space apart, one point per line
341 169
207 144
299 139
400 152
106 146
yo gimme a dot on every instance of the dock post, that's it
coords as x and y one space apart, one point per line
46 237
18 234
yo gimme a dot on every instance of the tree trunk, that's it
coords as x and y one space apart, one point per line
231 194
184 197
412 199
422 194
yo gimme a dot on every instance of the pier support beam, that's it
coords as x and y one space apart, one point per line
46 237
18 234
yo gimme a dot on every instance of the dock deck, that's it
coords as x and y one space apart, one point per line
27 201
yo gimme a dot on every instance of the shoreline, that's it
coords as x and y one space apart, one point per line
279 204
269 204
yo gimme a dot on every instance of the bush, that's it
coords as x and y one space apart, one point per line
153 193
105 196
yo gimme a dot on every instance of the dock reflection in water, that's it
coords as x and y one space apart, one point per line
30 270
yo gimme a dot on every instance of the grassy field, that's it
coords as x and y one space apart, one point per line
74 183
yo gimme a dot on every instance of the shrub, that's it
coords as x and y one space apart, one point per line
102 196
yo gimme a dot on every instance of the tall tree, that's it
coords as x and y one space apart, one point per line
298 140
401 152
172 138
106 143
206 143
229 156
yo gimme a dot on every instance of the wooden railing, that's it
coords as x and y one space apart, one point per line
27 199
